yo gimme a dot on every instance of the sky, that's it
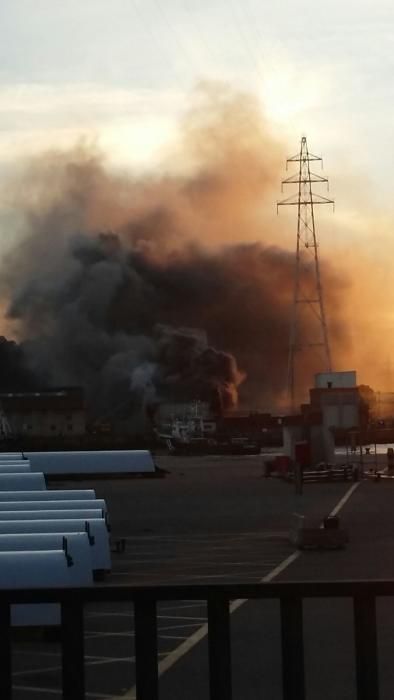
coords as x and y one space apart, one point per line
122 72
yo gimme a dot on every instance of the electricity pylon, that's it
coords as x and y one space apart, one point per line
307 260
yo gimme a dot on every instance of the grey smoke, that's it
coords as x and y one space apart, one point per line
131 287
93 318
120 322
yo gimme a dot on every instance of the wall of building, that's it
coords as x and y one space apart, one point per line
48 413
291 435
322 444
168 411
340 407
336 380
48 423
341 415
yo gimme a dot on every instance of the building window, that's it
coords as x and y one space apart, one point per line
53 428
70 427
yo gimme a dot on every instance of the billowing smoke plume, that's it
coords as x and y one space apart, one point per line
159 287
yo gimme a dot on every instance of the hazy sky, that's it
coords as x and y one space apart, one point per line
122 70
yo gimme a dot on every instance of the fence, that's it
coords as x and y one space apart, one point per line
218 597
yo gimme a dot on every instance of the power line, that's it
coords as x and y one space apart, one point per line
174 32
149 31
197 26
245 40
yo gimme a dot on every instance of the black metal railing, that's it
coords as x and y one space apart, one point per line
218 597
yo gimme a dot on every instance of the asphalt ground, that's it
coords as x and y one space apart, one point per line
328 624
218 520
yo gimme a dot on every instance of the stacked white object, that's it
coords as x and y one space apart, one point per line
22 482
11 456
47 538
95 530
50 514
15 468
103 463
58 494
57 504
53 567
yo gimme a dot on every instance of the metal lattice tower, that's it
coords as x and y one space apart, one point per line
307 259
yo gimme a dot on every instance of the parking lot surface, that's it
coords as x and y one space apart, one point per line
209 520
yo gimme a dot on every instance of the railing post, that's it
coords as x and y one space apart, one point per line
147 677
5 652
73 668
219 645
367 672
293 676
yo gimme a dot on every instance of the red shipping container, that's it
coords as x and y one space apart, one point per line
303 454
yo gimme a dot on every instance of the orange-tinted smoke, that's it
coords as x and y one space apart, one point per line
218 187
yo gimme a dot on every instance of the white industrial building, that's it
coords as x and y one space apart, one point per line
338 398
335 404
52 412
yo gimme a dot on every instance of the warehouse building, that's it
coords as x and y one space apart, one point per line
51 412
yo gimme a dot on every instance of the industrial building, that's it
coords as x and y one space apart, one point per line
194 422
338 397
336 407
51 412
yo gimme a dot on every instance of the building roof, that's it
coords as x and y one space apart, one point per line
56 399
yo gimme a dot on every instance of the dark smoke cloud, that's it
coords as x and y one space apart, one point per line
112 319
14 373
178 300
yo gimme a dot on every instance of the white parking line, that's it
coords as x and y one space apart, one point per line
179 617
197 604
98 661
243 574
210 537
186 646
34 671
96 635
345 498
29 652
146 561
110 614
177 627
56 691
93 615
